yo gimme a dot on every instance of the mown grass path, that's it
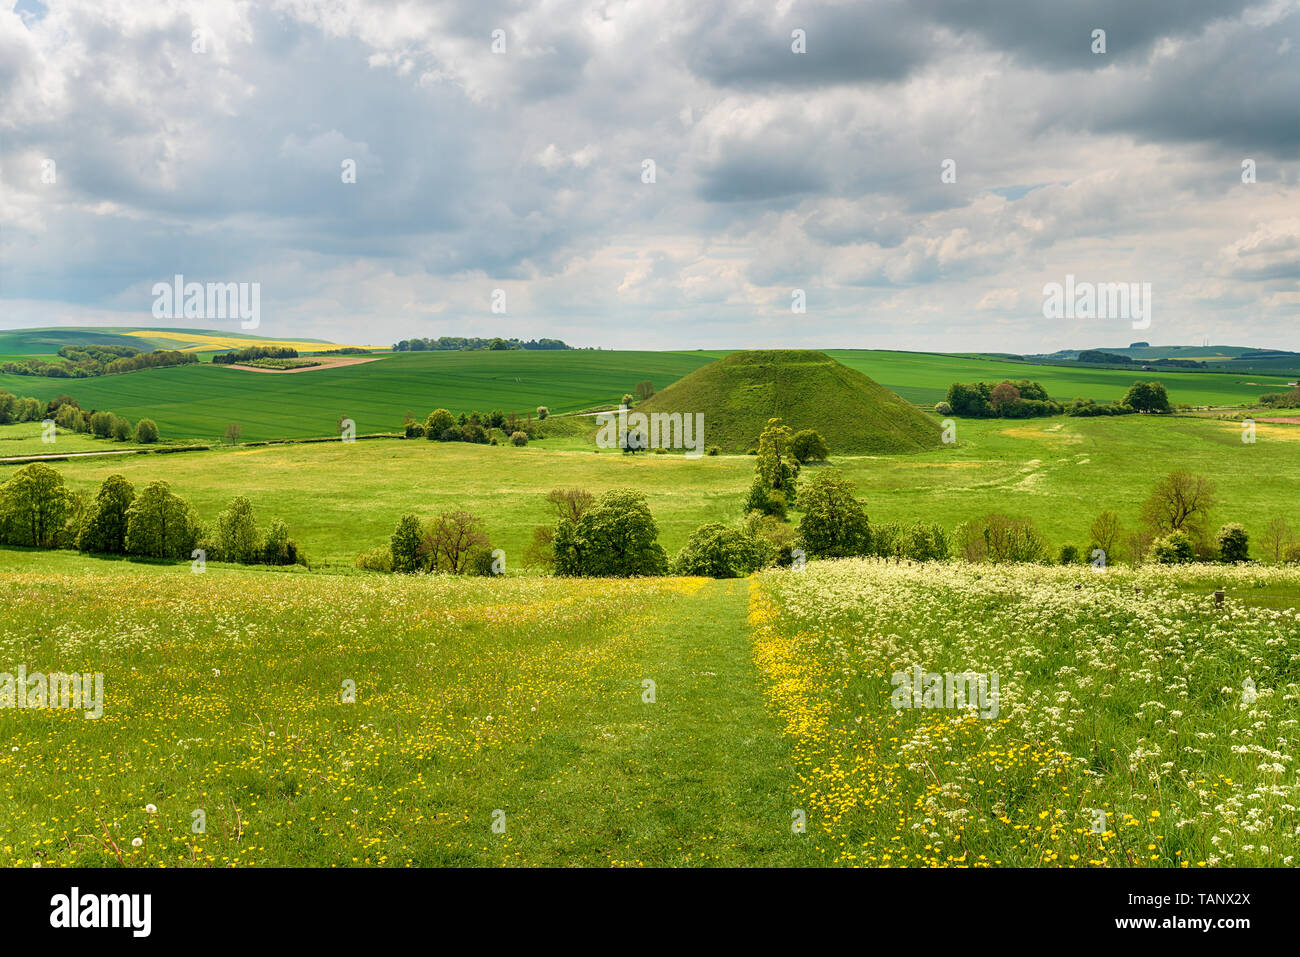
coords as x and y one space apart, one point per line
701 776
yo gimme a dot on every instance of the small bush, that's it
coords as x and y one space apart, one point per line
775 538
1000 539
377 559
146 431
542 412
478 560
764 500
278 548
1069 555
925 542
713 450
716 551
1174 549
1234 544
886 540
809 446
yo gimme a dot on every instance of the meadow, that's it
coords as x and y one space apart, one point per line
27 438
1060 472
262 717
516 702
1134 728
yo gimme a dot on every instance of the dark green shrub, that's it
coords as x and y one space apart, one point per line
715 550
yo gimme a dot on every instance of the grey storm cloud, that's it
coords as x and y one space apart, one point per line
1058 35
878 42
775 169
1235 86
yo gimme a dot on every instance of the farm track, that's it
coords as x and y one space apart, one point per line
705 767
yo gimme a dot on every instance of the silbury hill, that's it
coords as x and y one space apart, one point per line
805 388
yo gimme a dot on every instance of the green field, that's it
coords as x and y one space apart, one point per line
198 401
339 498
26 438
1132 728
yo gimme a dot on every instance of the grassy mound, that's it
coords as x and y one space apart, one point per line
809 390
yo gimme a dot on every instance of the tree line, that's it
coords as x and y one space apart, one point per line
1096 356
467 343
68 415
614 534
441 426
88 361
250 353
1282 400
37 510
1027 399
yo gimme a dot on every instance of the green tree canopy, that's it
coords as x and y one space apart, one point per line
34 505
616 537
834 524
719 551
809 446
161 524
405 544
236 533
105 528
1147 397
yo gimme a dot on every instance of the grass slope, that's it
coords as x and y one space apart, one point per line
805 388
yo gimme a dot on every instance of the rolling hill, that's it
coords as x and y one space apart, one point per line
805 388
46 342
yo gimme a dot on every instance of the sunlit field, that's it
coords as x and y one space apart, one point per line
510 702
1060 472
1138 724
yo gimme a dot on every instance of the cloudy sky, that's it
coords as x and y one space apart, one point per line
211 138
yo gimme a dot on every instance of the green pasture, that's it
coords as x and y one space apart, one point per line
339 498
